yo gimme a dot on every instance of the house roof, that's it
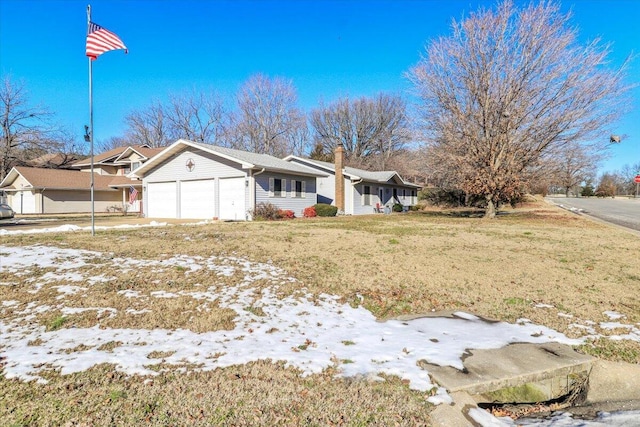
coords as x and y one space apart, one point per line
142 150
120 181
115 154
246 159
355 173
58 179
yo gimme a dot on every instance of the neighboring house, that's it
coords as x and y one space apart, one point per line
363 192
118 161
38 190
31 190
203 181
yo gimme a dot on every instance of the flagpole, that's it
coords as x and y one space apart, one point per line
93 226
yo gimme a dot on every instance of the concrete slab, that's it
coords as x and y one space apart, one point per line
546 371
454 415
614 382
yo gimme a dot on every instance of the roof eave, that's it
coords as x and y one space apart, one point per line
175 148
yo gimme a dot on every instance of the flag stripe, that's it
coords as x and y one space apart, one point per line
101 40
133 195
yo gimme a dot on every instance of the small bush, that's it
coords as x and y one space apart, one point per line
322 209
588 190
397 207
309 212
266 212
286 214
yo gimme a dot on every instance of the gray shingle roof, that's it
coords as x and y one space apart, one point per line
260 160
247 159
374 176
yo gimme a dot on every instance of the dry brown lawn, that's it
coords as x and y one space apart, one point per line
394 265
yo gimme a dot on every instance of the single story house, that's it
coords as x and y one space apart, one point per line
33 190
38 191
359 191
204 181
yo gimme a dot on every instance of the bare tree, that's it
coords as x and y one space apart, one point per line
508 87
574 165
371 130
627 175
149 127
268 120
196 117
27 131
607 187
114 142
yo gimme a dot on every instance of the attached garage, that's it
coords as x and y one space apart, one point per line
162 200
232 199
202 181
197 199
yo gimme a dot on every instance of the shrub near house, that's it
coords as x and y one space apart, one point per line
310 212
323 209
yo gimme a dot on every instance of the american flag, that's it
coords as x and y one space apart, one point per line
101 40
133 195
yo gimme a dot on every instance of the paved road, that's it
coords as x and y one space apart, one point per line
620 211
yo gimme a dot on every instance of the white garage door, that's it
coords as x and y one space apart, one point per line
196 199
161 200
232 204
24 202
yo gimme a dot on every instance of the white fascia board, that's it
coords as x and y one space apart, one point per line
128 150
10 177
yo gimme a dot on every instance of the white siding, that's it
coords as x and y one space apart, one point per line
286 202
357 194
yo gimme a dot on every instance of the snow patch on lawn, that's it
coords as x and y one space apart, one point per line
308 332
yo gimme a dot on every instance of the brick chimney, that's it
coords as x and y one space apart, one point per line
339 162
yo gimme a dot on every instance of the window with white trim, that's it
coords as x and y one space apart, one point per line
277 187
298 189
366 195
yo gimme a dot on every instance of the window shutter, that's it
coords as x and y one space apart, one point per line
271 185
304 189
293 188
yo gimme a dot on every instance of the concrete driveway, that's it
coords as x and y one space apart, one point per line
622 211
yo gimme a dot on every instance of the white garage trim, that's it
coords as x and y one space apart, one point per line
162 200
197 199
232 199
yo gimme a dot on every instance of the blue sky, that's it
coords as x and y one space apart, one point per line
327 48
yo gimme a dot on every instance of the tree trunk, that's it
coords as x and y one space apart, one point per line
490 211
